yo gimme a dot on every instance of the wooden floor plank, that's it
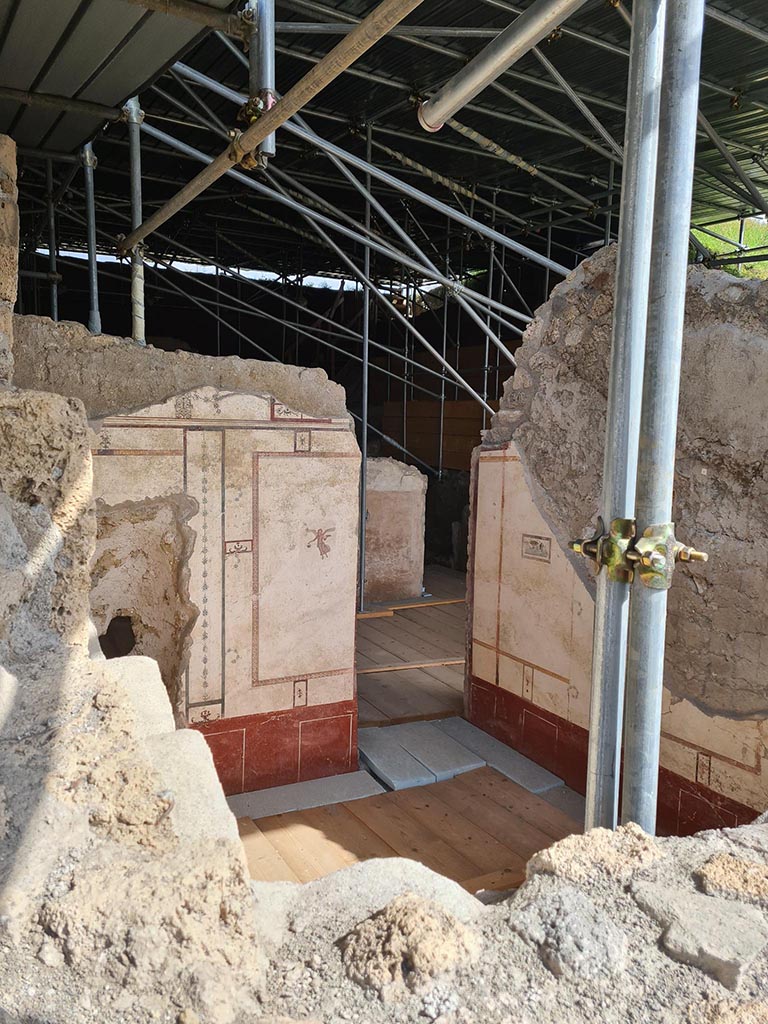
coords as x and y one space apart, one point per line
425 635
510 829
434 620
407 665
368 713
351 837
382 723
407 693
264 862
301 846
410 837
450 675
425 621
392 638
478 829
539 812
498 881
483 849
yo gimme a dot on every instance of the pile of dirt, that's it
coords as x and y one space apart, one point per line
406 946
610 927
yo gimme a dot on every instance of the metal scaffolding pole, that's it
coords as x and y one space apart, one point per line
516 40
261 56
89 164
251 310
52 247
315 220
134 116
609 208
624 400
755 196
444 354
387 14
364 385
201 14
484 325
658 425
383 176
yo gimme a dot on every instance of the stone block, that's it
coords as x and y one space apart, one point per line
198 808
716 935
394 531
9 221
498 755
554 410
569 932
116 375
616 853
6 341
140 681
300 796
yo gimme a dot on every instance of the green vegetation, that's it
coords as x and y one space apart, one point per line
755 237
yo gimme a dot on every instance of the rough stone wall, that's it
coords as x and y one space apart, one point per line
111 375
111 884
608 928
118 901
48 525
9 245
554 407
140 571
394 530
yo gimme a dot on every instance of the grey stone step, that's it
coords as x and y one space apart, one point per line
300 796
504 759
438 752
389 761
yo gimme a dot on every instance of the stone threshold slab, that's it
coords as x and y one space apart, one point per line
414 754
498 755
301 796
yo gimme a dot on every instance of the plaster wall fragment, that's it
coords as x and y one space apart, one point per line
394 532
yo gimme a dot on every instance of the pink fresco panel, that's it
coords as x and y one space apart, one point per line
305 571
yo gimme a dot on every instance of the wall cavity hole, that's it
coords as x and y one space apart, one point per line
119 638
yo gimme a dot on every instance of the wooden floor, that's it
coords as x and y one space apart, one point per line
410 665
478 829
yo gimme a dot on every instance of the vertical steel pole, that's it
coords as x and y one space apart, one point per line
134 117
609 652
52 248
89 163
609 212
444 350
366 359
549 254
261 59
661 388
487 356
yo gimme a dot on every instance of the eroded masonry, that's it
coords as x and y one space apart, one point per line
383 513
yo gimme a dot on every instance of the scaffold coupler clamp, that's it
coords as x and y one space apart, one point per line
652 556
88 158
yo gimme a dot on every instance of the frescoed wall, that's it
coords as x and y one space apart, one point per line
269 677
528 678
